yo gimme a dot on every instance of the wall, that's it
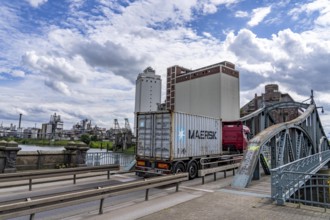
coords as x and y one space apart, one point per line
32 160
199 96
215 96
229 100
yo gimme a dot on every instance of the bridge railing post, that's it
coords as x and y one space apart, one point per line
277 186
280 200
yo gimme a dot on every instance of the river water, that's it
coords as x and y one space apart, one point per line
94 156
51 148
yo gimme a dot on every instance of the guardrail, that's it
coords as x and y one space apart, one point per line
287 179
232 163
32 206
12 177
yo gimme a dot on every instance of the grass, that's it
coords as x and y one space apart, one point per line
130 150
101 144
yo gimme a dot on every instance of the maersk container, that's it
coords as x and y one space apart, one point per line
175 136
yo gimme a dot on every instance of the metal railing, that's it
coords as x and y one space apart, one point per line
307 189
45 174
209 166
291 178
105 158
31 206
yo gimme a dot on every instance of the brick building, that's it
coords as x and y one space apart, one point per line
271 96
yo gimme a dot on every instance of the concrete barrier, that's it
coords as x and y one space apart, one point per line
12 159
34 160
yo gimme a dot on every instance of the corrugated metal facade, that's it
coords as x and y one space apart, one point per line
210 91
170 136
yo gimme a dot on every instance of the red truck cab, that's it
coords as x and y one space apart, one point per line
234 136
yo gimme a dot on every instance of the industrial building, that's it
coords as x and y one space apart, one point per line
271 96
147 91
208 91
53 129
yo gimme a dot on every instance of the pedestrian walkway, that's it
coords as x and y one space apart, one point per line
225 205
228 203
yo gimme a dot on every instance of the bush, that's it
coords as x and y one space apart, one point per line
85 138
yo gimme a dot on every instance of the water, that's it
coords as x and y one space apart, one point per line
94 157
52 148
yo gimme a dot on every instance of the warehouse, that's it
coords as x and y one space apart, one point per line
209 91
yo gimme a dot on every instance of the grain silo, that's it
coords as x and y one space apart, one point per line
209 91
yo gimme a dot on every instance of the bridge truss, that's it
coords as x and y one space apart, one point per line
276 144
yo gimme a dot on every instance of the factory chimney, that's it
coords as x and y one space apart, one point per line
20 120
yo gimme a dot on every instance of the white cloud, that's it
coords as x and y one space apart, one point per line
86 67
241 14
211 6
53 67
320 6
209 9
207 34
258 15
18 73
36 3
58 86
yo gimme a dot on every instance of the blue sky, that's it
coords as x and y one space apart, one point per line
80 58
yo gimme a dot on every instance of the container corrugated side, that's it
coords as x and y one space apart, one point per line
195 136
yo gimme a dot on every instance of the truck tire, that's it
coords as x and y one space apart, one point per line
192 169
178 167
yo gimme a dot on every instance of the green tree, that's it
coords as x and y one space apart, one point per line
94 138
85 138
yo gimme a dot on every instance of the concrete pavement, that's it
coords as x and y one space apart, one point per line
229 205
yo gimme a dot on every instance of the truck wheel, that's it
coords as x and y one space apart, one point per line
192 169
178 167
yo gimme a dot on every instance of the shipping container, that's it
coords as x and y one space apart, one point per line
174 141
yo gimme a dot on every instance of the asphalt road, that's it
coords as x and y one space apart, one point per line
127 206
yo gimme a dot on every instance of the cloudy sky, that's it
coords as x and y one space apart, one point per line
80 58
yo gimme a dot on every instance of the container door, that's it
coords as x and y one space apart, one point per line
153 140
162 132
145 135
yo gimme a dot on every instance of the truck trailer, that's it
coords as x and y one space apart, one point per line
173 142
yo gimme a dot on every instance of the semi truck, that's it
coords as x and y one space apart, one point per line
234 136
173 142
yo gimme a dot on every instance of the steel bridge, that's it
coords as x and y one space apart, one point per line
277 147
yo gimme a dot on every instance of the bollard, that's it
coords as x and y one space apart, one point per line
71 149
11 155
3 145
82 149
